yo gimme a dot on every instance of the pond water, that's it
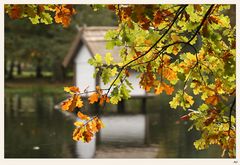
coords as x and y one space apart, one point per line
34 129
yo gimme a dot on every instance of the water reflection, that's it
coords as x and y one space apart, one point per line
34 130
86 150
124 129
119 130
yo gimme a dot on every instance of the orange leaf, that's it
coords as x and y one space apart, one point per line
71 89
98 89
197 8
169 74
66 104
93 126
104 98
157 18
169 90
147 88
212 100
175 50
148 42
16 12
87 135
158 89
63 14
111 7
79 102
82 116
127 73
99 123
73 105
93 98
77 134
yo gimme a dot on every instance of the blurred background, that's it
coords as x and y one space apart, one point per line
34 81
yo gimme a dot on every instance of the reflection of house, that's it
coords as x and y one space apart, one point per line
127 130
88 42
124 129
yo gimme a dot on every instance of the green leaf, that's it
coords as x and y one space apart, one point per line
203 107
124 92
108 58
46 18
106 73
115 99
35 20
98 58
129 84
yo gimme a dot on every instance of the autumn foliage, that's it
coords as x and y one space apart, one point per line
87 127
42 13
186 51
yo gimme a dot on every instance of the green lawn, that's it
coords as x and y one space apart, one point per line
32 85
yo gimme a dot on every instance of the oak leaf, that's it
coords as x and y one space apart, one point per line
82 116
16 12
212 100
78 124
66 104
168 89
104 98
93 98
159 89
71 89
79 102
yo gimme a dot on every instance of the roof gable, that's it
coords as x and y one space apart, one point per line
93 38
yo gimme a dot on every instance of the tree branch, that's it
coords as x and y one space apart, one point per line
230 114
180 10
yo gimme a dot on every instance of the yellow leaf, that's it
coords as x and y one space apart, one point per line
98 89
189 99
79 102
175 37
78 124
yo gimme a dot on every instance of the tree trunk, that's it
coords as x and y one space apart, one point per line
10 72
39 70
5 68
57 70
19 68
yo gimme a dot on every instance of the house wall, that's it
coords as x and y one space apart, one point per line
84 74
84 71
135 83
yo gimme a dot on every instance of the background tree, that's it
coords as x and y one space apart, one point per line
51 42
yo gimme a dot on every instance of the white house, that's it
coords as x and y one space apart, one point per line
88 42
